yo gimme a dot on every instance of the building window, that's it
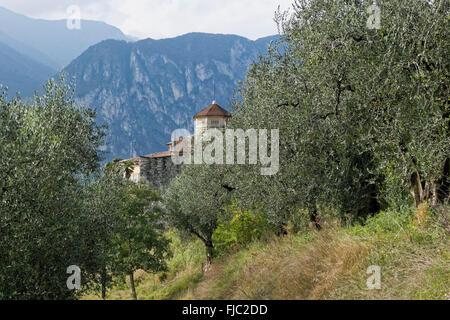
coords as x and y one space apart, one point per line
215 122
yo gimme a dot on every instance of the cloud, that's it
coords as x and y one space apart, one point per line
165 18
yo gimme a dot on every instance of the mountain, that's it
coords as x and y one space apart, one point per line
145 90
27 50
51 42
20 73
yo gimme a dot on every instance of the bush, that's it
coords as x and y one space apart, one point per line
423 225
244 228
386 222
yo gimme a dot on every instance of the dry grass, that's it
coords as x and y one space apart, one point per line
414 259
412 249
285 269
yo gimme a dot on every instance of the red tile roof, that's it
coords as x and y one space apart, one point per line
213 110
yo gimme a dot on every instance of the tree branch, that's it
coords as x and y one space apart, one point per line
288 104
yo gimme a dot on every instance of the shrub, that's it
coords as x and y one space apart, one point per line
244 228
386 222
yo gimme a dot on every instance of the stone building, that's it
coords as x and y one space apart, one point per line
158 169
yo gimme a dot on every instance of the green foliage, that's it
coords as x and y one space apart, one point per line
363 117
332 264
183 269
58 209
410 269
360 111
392 190
384 223
103 197
245 227
139 242
183 272
45 148
390 223
187 254
196 200
364 122
122 229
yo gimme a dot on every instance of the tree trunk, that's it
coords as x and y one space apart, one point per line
209 252
416 188
434 194
103 291
313 218
430 192
104 284
133 289
209 247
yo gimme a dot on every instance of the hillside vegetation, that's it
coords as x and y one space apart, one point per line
413 254
354 195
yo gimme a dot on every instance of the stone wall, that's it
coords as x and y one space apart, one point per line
158 171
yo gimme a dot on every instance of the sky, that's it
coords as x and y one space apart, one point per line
165 18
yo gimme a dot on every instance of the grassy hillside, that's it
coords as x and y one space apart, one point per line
411 247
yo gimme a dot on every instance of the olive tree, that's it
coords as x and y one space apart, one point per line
139 241
104 195
390 81
45 147
359 108
195 200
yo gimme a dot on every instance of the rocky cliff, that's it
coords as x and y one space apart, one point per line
145 90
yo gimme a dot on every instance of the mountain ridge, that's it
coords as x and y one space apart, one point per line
52 37
20 73
146 89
